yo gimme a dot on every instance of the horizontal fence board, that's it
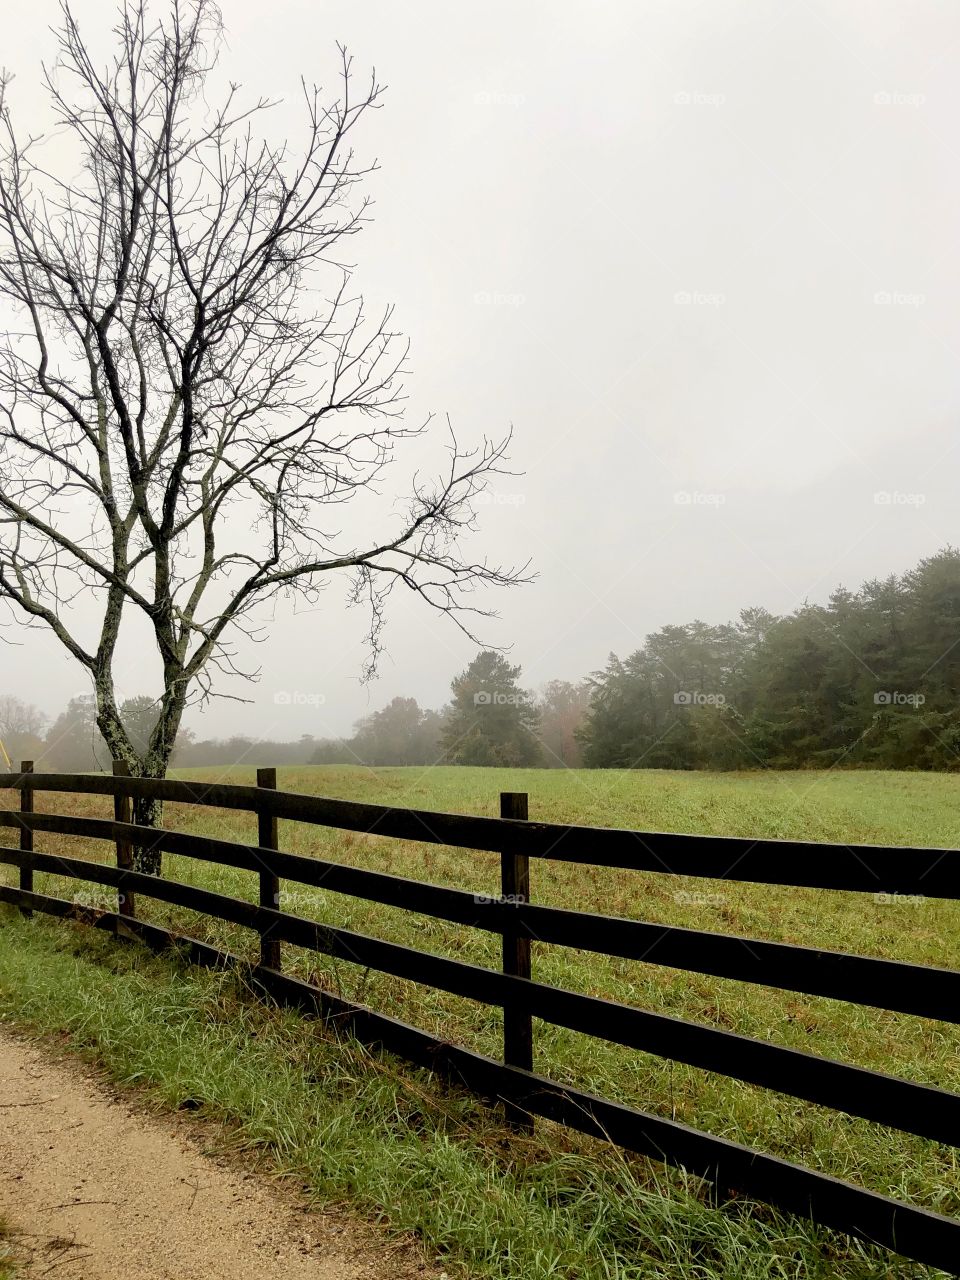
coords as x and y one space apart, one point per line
916 1233
919 1233
921 1109
896 985
885 984
863 868
901 1104
153 935
220 905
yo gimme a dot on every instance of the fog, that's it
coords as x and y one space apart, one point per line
701 257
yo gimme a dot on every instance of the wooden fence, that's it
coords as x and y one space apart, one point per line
913 1232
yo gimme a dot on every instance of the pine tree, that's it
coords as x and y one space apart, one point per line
491 720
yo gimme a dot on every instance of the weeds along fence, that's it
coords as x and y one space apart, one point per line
733 1168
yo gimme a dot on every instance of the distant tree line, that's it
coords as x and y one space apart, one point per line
71 742
870 678
490 720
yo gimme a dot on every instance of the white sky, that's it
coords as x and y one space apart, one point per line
554 176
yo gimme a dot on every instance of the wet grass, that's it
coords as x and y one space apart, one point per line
881 808
6 1250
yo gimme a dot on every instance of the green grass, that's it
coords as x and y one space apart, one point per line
6 1251
480 1210
357 1127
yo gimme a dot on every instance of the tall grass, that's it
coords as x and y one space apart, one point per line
354 1126
6 1250
849 808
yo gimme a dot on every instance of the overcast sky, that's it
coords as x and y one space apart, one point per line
702 257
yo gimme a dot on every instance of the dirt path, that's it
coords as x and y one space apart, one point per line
95 1189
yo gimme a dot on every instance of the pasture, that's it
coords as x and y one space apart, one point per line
854 807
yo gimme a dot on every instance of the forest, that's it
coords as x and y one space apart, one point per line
870 678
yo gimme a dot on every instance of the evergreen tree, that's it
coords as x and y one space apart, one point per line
74 743
140 716
399 734
872 678
490 719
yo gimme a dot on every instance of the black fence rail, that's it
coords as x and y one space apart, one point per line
930 1112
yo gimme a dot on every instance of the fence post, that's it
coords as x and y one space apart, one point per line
26 837
517 1023
267 838
123 812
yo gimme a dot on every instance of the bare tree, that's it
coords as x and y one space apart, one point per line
21 726
196 379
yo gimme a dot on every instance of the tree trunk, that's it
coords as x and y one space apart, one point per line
153 763
147 813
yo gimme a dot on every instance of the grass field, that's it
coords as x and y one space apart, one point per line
6 1253
855 807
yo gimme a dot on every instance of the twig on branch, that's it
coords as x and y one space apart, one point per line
196 378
